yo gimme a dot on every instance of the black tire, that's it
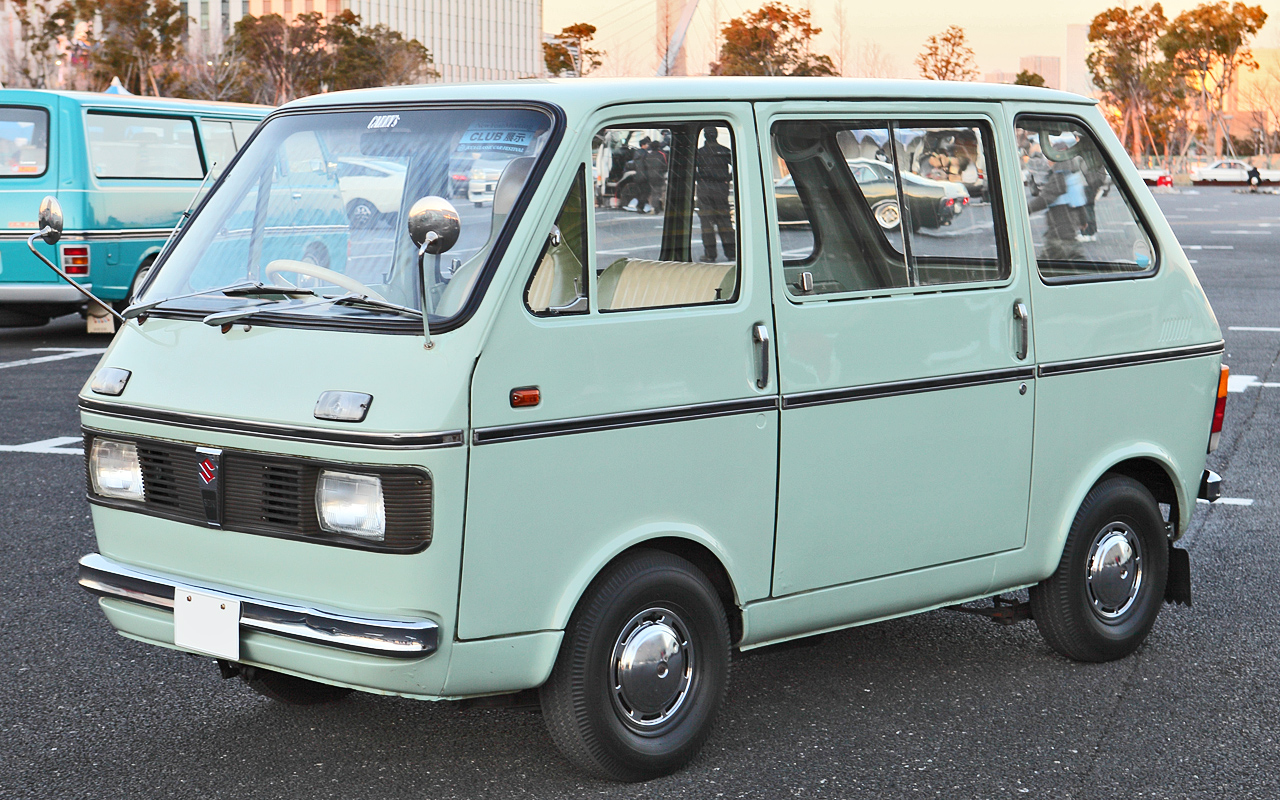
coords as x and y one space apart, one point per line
647 598
290 689
361 213
1109 615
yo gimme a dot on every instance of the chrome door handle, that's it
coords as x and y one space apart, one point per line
760 335
1021 315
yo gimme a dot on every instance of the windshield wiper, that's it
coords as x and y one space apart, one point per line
242 289
368 303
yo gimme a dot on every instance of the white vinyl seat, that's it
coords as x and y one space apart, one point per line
641 283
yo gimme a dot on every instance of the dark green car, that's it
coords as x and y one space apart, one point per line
931 203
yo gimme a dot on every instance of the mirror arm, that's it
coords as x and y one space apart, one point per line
31 243
431 238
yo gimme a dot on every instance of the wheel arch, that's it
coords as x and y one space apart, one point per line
691 544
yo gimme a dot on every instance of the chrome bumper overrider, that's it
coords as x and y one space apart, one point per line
384 637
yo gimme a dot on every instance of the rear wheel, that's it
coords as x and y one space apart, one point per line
642 671
887 214
291 689
1101 602
361 213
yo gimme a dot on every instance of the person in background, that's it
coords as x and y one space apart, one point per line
714 179
653 164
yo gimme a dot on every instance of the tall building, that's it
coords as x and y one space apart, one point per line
1047 67
1075 77
470 40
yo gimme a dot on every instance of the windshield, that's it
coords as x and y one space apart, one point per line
318 201
24 141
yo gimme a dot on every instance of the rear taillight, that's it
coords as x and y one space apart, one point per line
1219 409
949 202
75 259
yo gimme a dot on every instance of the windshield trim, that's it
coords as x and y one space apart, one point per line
383 324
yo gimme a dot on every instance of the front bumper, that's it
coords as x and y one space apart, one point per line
33 293
383 637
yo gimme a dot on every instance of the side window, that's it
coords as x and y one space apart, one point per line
243 130
951 208
846 193
1082 222
219 144
668 197
559 283
127 146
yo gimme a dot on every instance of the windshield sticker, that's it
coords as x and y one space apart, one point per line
384 121
496 138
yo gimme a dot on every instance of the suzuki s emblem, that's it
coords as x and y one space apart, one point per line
208 471
383 121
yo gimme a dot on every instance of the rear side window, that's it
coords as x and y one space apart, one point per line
1083 223
129 146
219 144
24 142
864 206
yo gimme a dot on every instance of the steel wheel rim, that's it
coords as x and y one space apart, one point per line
888 216
362 215
651 670
1114 571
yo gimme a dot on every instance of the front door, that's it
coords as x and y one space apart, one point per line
904 346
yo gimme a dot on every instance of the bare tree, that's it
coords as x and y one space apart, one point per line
947 57
44 29
874 62
841 59
217 76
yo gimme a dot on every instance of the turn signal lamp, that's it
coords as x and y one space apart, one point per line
525 396
75 259
1219 409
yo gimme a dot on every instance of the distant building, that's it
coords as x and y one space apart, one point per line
470 40
1047 67
1075 72
999 76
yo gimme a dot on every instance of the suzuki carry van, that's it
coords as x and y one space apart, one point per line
551 444
123 169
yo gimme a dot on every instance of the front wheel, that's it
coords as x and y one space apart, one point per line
1101 602
642 672
887 214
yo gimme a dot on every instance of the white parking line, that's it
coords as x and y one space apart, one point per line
70 352
55 446
1228 501
1243 233
1238 383
1208 247
1247 328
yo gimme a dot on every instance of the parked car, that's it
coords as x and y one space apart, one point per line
484 180
371 188
124 169
1231 171
932 204
1157 176
541 447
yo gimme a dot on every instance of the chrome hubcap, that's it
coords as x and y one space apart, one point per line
1114 571
888 215
652 668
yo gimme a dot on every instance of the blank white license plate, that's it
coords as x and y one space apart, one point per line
207 624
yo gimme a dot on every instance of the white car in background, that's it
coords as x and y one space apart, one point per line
1232 170
1151 177
371 188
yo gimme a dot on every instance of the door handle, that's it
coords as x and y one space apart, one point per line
760 335
1022 317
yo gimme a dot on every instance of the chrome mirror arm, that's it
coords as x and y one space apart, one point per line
31 243
428 243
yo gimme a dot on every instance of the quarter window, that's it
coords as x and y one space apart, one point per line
1083 224
667 197
559 284
24 142
127 146
891 205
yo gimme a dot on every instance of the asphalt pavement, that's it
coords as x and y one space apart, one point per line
934 705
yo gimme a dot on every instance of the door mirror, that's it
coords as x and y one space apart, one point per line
50 219
433 224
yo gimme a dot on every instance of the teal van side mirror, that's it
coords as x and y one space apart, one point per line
50 219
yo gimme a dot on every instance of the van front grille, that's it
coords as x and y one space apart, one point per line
272 495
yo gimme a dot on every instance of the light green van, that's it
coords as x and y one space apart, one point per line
568 444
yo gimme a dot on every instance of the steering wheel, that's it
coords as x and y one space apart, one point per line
321 273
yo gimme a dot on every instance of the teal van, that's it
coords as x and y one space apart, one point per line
123 169
589 450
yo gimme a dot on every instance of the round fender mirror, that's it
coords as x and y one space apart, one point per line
50 219
434 223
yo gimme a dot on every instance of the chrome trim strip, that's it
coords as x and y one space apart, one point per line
41 293
384 637
92 235
628 419
380 441
1131 359
916 386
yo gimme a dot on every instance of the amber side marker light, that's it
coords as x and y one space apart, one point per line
1219 409
525 396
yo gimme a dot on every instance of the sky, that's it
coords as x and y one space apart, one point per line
999 31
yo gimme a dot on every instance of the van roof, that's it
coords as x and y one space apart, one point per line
122 101
578 94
